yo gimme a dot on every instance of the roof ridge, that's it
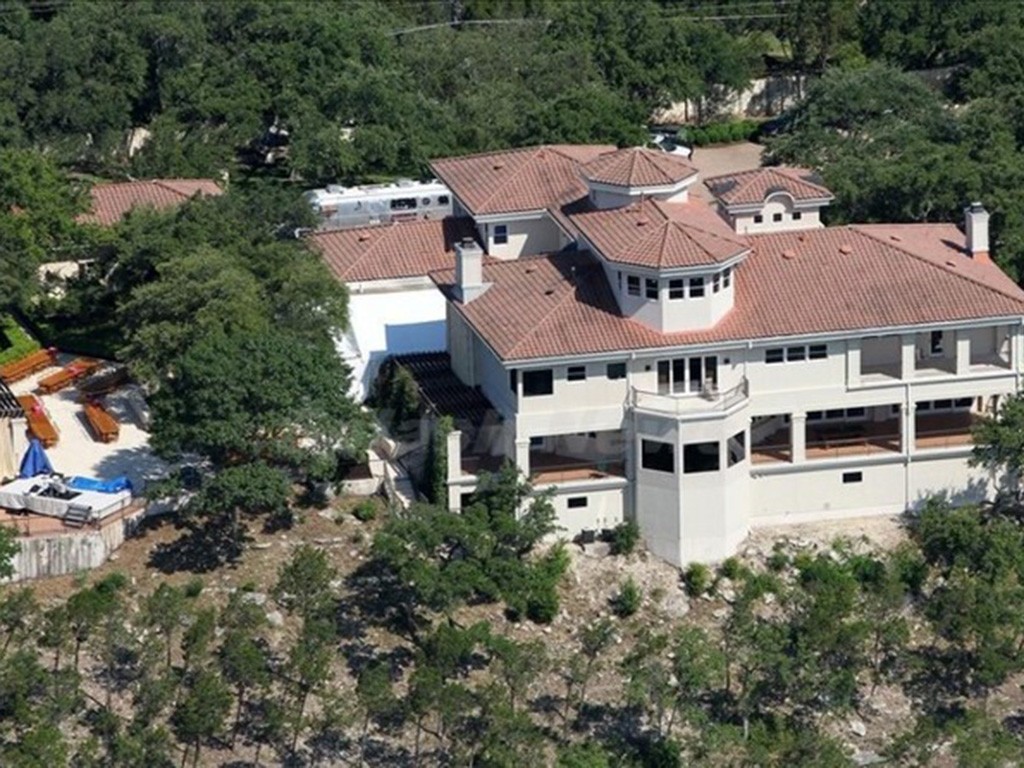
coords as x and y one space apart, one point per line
163 184
515 174
929 262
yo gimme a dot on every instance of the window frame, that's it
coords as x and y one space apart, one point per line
853 476
817 351
696 288
759 218
771 353
618 367
633 285
576 373
651 287
677 289
500 234
574 502
776 218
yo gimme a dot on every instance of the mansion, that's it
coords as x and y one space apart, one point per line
699 368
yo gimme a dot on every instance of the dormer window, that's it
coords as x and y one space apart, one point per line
696 287
776 217
501 234
677 289
652 289
716 282
727 277
797 215
758 218
632 285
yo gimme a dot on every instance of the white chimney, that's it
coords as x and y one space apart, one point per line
469 270
976 229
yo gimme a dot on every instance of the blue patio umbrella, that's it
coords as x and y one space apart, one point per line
35 461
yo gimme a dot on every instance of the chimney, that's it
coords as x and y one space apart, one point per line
469 270
976 229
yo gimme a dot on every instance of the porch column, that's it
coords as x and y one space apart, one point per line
798 437
523 456
908 355
908 428
853 363
963 353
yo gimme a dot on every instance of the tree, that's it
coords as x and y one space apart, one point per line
164 610
999 440
17 607
308 669
244 665
304 584
9 549
202 712
198 639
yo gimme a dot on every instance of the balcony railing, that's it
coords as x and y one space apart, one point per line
710 398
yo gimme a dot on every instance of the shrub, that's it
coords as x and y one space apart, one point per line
194 588
15 343
365 511
778 560
625 537
627 602
697 578
733 569
699 137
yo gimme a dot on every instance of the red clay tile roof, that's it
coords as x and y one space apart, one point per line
638 167
661 235
529 179
832 280
110 202
753 186
400 249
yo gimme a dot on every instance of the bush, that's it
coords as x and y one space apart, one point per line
15 343
627 602
625 537
778 560
194 588
733 569
697 578
365 511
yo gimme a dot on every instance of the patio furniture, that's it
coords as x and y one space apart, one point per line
39 423
103 380
26 366
70 373
103 425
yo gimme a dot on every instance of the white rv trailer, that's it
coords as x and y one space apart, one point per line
339 207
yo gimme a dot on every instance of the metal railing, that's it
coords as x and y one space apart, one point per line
709 398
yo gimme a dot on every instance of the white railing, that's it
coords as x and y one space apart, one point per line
709 398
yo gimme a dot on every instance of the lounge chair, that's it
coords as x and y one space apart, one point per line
26 366
103 425
67 375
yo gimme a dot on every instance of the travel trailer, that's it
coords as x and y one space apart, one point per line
341 207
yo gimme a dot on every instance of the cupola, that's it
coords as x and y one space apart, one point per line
616 179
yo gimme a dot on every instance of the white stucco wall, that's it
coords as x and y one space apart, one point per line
390 318
526 237
781 205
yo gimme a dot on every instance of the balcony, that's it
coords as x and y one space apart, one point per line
684 403
944 430
549 468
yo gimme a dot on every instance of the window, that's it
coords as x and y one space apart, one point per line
817 352
700 457
795 354
963 402
727 277
736 448
619 278
403 204
943 405
657 456
935 346
774 355
576 373
716 282
651 288
853 477
425 201
834 413
758 218
776 217
633 285
500 234
696 287
856 413
676 289
513 379
797 215
442 200
616 370
537 441
537 383
576 502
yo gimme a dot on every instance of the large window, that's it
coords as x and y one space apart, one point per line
657 456
687 374
700 457
651 287
696 287
935 347
500 234
537 383
736 448
677 289
796 354
616 370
